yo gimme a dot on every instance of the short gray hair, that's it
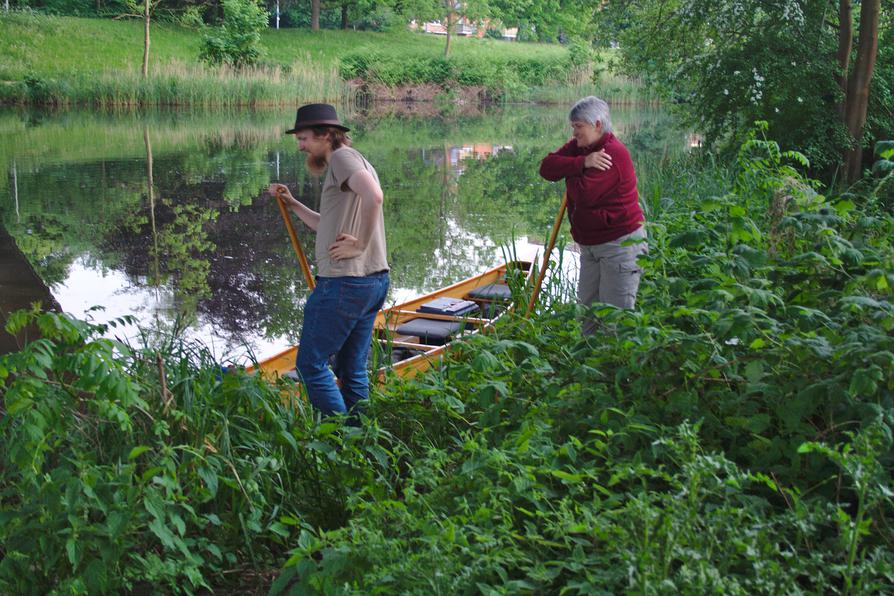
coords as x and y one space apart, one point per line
591 110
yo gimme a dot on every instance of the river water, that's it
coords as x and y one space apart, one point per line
162 215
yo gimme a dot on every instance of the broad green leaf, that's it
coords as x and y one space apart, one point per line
864 381
844 207
883 167
73 550
137 452
321 447
809 447
758 423
884 149
327 428
286 438
178 522
567 476
213 518
154 505
163 533
17 402
209 477
214 550
754 372
116 522
485 361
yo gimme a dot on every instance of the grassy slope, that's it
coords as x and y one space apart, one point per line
59 46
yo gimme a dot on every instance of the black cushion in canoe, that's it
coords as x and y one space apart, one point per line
492 292
446 305
429 331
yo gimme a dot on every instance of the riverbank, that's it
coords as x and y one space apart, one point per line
68 61
731 435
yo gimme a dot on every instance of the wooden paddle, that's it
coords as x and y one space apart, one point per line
302 260
546 253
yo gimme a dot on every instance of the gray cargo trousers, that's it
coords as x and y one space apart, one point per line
609 273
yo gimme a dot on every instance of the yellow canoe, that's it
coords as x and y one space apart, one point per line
400 331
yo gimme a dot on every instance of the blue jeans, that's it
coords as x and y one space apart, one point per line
338 321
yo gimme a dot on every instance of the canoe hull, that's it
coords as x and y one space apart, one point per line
390 319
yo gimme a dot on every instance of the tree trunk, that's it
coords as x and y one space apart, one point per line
858 85
449 33
146 40
845 44
344 15
314 15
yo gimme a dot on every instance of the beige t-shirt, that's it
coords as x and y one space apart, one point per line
340 213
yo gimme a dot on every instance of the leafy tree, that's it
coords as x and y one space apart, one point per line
342 14
345 7
449 11
547 20
239 42
785 61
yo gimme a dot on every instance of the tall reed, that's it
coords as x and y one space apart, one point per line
180 84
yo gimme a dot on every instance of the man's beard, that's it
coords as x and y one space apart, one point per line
316 164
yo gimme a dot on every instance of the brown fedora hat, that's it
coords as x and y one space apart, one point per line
316 114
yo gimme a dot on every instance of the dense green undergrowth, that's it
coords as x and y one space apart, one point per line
732 435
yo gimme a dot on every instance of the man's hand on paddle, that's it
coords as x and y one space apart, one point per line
281 190
307 215
345 247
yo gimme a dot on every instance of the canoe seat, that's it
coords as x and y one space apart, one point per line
495 292
431 332
446 305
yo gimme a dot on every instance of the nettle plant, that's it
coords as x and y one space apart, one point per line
123 467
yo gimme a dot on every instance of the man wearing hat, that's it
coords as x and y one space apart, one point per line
352 269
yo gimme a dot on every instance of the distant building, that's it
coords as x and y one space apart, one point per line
463 27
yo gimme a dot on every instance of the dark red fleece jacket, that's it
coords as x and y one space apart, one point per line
602 205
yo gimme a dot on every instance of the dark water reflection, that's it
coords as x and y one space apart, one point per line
162 215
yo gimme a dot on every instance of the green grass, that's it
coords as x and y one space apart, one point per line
53 46
75 61
49 47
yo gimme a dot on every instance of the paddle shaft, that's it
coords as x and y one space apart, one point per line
549 250
293 236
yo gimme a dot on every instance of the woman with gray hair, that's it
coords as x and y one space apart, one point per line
603 207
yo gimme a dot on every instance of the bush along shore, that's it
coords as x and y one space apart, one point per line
731 435
67 61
